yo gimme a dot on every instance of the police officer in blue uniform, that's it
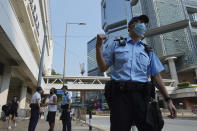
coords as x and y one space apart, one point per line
131 65
65 106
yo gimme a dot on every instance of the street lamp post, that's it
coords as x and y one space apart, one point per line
67 23
42 57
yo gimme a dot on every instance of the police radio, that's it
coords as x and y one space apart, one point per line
121 40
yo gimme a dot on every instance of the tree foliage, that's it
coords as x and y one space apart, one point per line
53 72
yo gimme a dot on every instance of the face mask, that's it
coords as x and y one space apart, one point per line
51 92
140 29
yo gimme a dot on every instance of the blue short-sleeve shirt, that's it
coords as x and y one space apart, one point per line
131 62
65 98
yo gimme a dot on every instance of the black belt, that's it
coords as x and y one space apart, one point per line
64 106
34 106
128 85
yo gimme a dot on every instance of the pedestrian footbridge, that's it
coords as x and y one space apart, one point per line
85 83
75 83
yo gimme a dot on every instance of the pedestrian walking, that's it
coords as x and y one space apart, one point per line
35 109
65 106
52 108
14 106
129 92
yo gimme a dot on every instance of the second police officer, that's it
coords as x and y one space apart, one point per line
66 106
131 64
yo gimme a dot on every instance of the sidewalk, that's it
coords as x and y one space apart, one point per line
22 125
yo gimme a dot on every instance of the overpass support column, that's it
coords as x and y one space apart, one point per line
23 97
83 93
4 85
172 67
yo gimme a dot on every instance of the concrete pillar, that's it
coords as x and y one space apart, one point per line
4 85
105 74
23 97
172 67
83 94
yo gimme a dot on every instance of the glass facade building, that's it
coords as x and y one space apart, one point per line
179 43
92 64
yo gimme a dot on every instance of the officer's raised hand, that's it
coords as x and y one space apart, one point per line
99 57
100 38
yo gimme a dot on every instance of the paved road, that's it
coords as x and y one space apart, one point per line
170 125
22 125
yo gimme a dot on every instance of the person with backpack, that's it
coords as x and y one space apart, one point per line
14 105
129 91
5 111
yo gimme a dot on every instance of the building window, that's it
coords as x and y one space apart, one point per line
29 90
195 16
104 9
31 1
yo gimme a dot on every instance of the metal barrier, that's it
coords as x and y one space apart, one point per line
80 114
24 113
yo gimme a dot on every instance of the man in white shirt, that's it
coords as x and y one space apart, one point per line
35 109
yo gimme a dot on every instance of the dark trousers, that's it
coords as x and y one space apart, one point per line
128 108
66 122
33 119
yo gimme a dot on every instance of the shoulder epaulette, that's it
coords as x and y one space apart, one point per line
66 93
147 48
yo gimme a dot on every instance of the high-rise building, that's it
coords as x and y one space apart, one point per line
22 27
92 64
176 49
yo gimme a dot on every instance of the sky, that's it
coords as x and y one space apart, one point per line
62 11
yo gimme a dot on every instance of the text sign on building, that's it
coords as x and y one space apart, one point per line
34 14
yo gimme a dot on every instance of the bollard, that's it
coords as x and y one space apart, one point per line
90 120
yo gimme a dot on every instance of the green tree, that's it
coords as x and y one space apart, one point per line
53 72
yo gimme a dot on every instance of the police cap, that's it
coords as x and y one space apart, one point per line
142 18
39 88
65 87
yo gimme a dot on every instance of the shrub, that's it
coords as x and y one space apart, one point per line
183 84
192 87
